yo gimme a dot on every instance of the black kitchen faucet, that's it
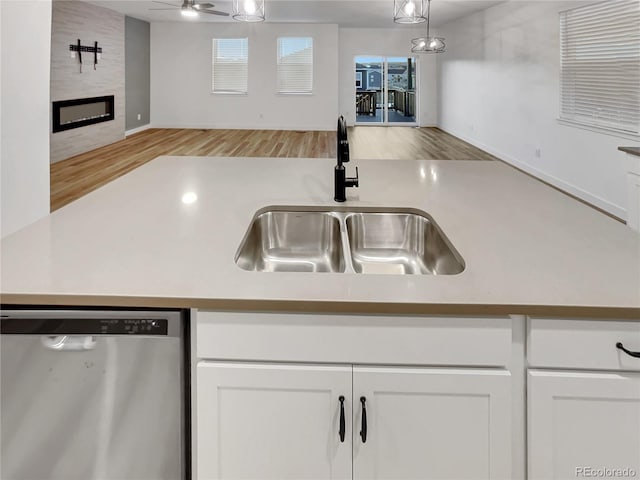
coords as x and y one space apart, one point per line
341 180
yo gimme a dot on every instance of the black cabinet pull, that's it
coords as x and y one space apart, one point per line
342 422
80 55
619 346
363 429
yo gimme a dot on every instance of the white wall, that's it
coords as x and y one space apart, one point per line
386 42
24 112
181 78
499 90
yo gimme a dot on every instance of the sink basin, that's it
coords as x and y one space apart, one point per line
400 243
355 240
292 241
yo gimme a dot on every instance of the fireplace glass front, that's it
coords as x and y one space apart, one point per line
68 114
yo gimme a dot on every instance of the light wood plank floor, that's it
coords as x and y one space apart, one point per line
74 177
406 143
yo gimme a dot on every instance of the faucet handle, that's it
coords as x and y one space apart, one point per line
353 181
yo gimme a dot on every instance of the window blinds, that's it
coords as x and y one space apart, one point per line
295 65
600 65
230 65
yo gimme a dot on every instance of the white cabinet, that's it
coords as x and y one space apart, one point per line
582 344
272 421
633 191
269 421
444 396
583 424
432 423
633 199
437 391
584 410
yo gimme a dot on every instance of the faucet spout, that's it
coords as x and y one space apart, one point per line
341 181
343 142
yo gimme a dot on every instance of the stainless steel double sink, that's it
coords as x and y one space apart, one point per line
353 240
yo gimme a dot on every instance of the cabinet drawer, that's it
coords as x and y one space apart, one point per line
363 339
583 343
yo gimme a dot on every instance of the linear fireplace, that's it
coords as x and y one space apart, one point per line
68 114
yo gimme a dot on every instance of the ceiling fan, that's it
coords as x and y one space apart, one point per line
190 8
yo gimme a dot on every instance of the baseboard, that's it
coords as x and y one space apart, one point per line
137 130
245 127
566 187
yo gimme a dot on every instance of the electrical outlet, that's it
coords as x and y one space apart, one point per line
538 153
139 116
73 54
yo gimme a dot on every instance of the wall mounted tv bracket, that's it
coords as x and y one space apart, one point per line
97 51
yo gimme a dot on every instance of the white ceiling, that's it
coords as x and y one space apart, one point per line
346 13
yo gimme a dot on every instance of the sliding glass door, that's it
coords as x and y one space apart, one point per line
401 90
370 89
386 90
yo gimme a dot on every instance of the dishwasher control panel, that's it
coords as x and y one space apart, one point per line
84 326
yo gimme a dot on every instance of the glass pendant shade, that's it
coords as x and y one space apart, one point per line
409 11
427 45
248 10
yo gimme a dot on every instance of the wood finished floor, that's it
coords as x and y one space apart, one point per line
76 176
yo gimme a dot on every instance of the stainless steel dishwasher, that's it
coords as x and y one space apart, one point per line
93 394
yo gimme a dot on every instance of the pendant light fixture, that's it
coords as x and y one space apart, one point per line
409 11
428 44
248 10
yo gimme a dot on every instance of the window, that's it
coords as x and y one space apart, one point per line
230 65
600 65
295 65
358 79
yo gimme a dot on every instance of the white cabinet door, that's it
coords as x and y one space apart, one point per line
272 421
583 424
432 424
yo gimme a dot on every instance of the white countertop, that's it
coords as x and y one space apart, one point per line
527 247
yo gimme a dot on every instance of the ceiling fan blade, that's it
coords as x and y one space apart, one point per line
165 3
215 12
199 6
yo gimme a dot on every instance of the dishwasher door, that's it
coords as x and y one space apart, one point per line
92 395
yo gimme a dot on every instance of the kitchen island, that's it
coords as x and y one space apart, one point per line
514 368
527 248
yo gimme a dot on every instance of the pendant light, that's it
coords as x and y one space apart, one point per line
428 44
248 10
409 11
